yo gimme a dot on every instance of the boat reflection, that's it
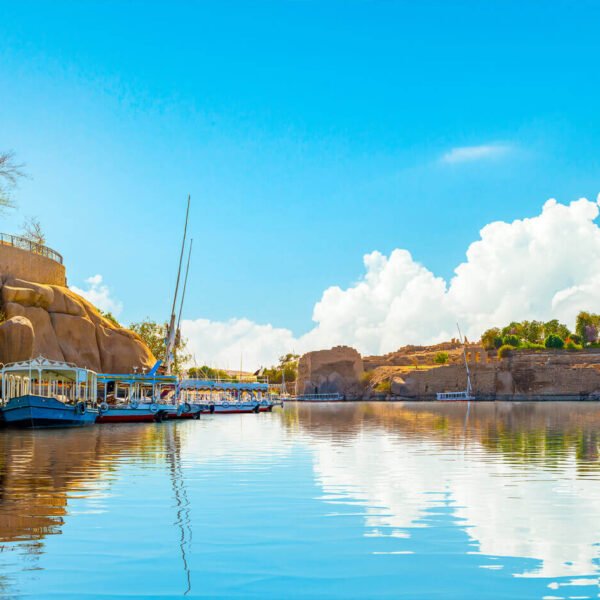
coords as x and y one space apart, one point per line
400 490
40 470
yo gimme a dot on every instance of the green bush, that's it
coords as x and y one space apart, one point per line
571 345
554 341
505 350
511 340
576 339
525 345
385 387
441 358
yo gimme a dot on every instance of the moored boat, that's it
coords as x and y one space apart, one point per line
227 397
46 393
463 395
139 397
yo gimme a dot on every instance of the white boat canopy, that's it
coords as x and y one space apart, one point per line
48 378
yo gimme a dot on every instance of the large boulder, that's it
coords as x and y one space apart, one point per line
45 342
77 340
121 350
54 322
16 340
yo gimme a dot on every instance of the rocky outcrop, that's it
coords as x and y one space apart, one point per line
552 374
16 339
337 370
54 322
526 374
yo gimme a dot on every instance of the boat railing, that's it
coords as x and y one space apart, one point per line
17 241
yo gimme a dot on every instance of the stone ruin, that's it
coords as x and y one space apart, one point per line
338 370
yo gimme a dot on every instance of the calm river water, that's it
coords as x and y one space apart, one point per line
348 501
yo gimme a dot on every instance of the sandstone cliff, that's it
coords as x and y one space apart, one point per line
330 371
411 372
52 321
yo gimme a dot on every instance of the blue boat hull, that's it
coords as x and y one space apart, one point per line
37 411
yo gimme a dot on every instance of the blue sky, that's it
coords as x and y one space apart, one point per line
308 133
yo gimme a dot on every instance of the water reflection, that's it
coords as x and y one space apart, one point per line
353 500
523 477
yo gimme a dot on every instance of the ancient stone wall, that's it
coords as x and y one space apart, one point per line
30 266
525 374
337 370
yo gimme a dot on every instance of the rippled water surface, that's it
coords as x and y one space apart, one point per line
330 501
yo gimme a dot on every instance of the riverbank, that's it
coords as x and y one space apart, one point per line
412 374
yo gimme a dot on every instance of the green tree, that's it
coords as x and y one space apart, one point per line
206 372
441 358
514 328
288 366
533 331
511 340
554 341
555 328
491 339
154 335
10 173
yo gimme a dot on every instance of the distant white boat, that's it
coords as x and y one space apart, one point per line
456 396
318 398
466 395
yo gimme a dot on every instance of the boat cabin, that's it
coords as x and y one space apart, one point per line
209 391
47 378
121 389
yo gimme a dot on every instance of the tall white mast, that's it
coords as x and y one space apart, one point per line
466 362
172 330
187 271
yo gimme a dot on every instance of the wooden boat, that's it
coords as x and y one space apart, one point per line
46 393
140 397
225 407
227 397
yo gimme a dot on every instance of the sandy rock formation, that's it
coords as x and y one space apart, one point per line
412 373
53 321
524 375
337 370
16 339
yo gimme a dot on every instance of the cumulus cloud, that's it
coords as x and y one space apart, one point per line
98 293
472 153
543 267
229 344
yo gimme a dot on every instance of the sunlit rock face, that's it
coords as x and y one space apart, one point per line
54 322
337 370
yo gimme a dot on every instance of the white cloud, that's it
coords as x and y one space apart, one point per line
543 267
473 153
98 293
226 344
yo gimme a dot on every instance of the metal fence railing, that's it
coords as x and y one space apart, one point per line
17 241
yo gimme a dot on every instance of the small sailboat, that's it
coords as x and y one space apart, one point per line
466 395
48 393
